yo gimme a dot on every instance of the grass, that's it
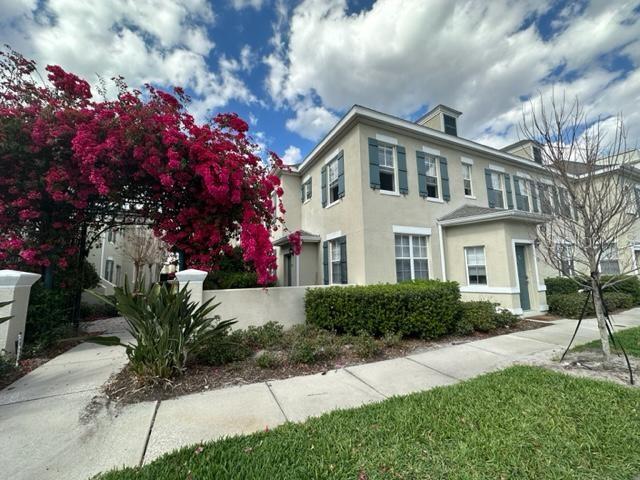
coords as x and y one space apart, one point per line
629 339
523 422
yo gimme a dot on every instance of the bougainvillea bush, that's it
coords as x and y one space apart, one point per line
70 160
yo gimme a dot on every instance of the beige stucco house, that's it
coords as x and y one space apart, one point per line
381 199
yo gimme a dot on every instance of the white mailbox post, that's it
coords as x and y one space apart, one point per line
15 287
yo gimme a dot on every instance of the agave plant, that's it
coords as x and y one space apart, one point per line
166 326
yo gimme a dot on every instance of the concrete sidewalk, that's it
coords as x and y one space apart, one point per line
54 422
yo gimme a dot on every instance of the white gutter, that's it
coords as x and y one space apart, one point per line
442 261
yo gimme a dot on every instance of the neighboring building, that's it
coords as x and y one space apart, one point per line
108 258
381 199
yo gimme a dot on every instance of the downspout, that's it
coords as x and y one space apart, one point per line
442 261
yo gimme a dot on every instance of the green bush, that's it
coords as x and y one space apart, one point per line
561 285
427 309
504 318
310 344
94 311
226 280
618 300
48 317
629 284
570 305
391 340
268 335
268 360
365 346
479 315
228 347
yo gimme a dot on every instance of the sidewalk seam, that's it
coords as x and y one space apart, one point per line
434 369
148 436
361 380
53 395
275 399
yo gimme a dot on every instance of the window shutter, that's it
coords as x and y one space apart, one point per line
374 164
310 183
534 196
564 203
342 241
341 175
490 192
444 178
422 170
637 192
556 199
325 262
302 193
519 199
403 183
507 187
323 176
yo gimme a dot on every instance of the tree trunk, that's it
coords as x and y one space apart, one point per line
602 327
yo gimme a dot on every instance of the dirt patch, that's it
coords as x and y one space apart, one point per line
126 388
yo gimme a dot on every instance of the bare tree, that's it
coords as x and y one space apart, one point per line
143 248
590 191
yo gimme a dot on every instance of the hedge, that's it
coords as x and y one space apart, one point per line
629 284
561 285
483 316
426 309
570 305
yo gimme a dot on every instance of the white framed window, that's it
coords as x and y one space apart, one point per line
609 264
431 173
476 265
497 184
387 166
332 181
466 179
412 261
564 253
306 191
108 270
335 272
525 194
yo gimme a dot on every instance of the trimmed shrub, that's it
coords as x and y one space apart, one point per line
570 305
477 316
365 346
426 309
561 285
504 318
629 284
48 317
265 336
310 344
618 300
229 347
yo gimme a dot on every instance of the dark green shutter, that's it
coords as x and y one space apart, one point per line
507 183
374 164
543 194
491 194
565 205
342 241
422 170
556 199
516 188
341 175
325 262
534 196
403 182
302 192
310 184
637 193
323 177
444 178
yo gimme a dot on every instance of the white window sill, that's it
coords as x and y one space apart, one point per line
306 201
388 192
471 197
334 203
435 200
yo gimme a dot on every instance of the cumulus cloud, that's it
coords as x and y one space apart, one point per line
164 42
240 4
292 155
402 56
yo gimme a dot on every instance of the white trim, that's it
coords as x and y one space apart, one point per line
546 181
523 175
297 270
442 257
500 213
516 311
329 205
497 168
471 197
485 288
306 179
470 165
466 269
432 151
516 241
543 307
389 192
331 157
411 230
468 161
542 288
386 139
333 235
434 199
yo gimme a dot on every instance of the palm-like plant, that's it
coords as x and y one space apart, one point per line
166 326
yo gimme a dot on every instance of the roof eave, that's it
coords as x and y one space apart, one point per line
502 215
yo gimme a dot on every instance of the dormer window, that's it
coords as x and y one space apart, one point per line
537 155
450 126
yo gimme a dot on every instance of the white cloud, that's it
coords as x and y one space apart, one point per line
240 4
164 42
401 56
292 155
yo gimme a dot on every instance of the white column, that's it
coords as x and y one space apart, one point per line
15 287
195 279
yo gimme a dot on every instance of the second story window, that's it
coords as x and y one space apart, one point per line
431 172
564 253
523 194
305 191
387 168
332 174
332 181
497 184
466 179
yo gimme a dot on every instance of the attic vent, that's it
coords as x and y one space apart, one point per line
450 126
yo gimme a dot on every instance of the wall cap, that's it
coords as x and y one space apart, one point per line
15 278
191 275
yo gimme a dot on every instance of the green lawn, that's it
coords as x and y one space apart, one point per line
521 423
630 340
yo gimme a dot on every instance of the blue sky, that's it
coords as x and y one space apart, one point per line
293 68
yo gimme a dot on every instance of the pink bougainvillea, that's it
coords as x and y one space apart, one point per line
68 159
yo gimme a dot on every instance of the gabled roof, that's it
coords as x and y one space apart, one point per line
475 214
305 236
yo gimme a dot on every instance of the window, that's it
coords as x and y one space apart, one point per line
476 265
108 271
306 191
431 173
466 175
537 155
335 258
564 252
497 184
118 275
523 193
111 236
411 257
450 125
333 181
609 264
387 168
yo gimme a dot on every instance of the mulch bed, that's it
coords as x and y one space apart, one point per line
125 387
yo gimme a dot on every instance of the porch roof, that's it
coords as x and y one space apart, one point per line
474 214
306 237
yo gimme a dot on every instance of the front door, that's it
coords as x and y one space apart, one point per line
525 302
